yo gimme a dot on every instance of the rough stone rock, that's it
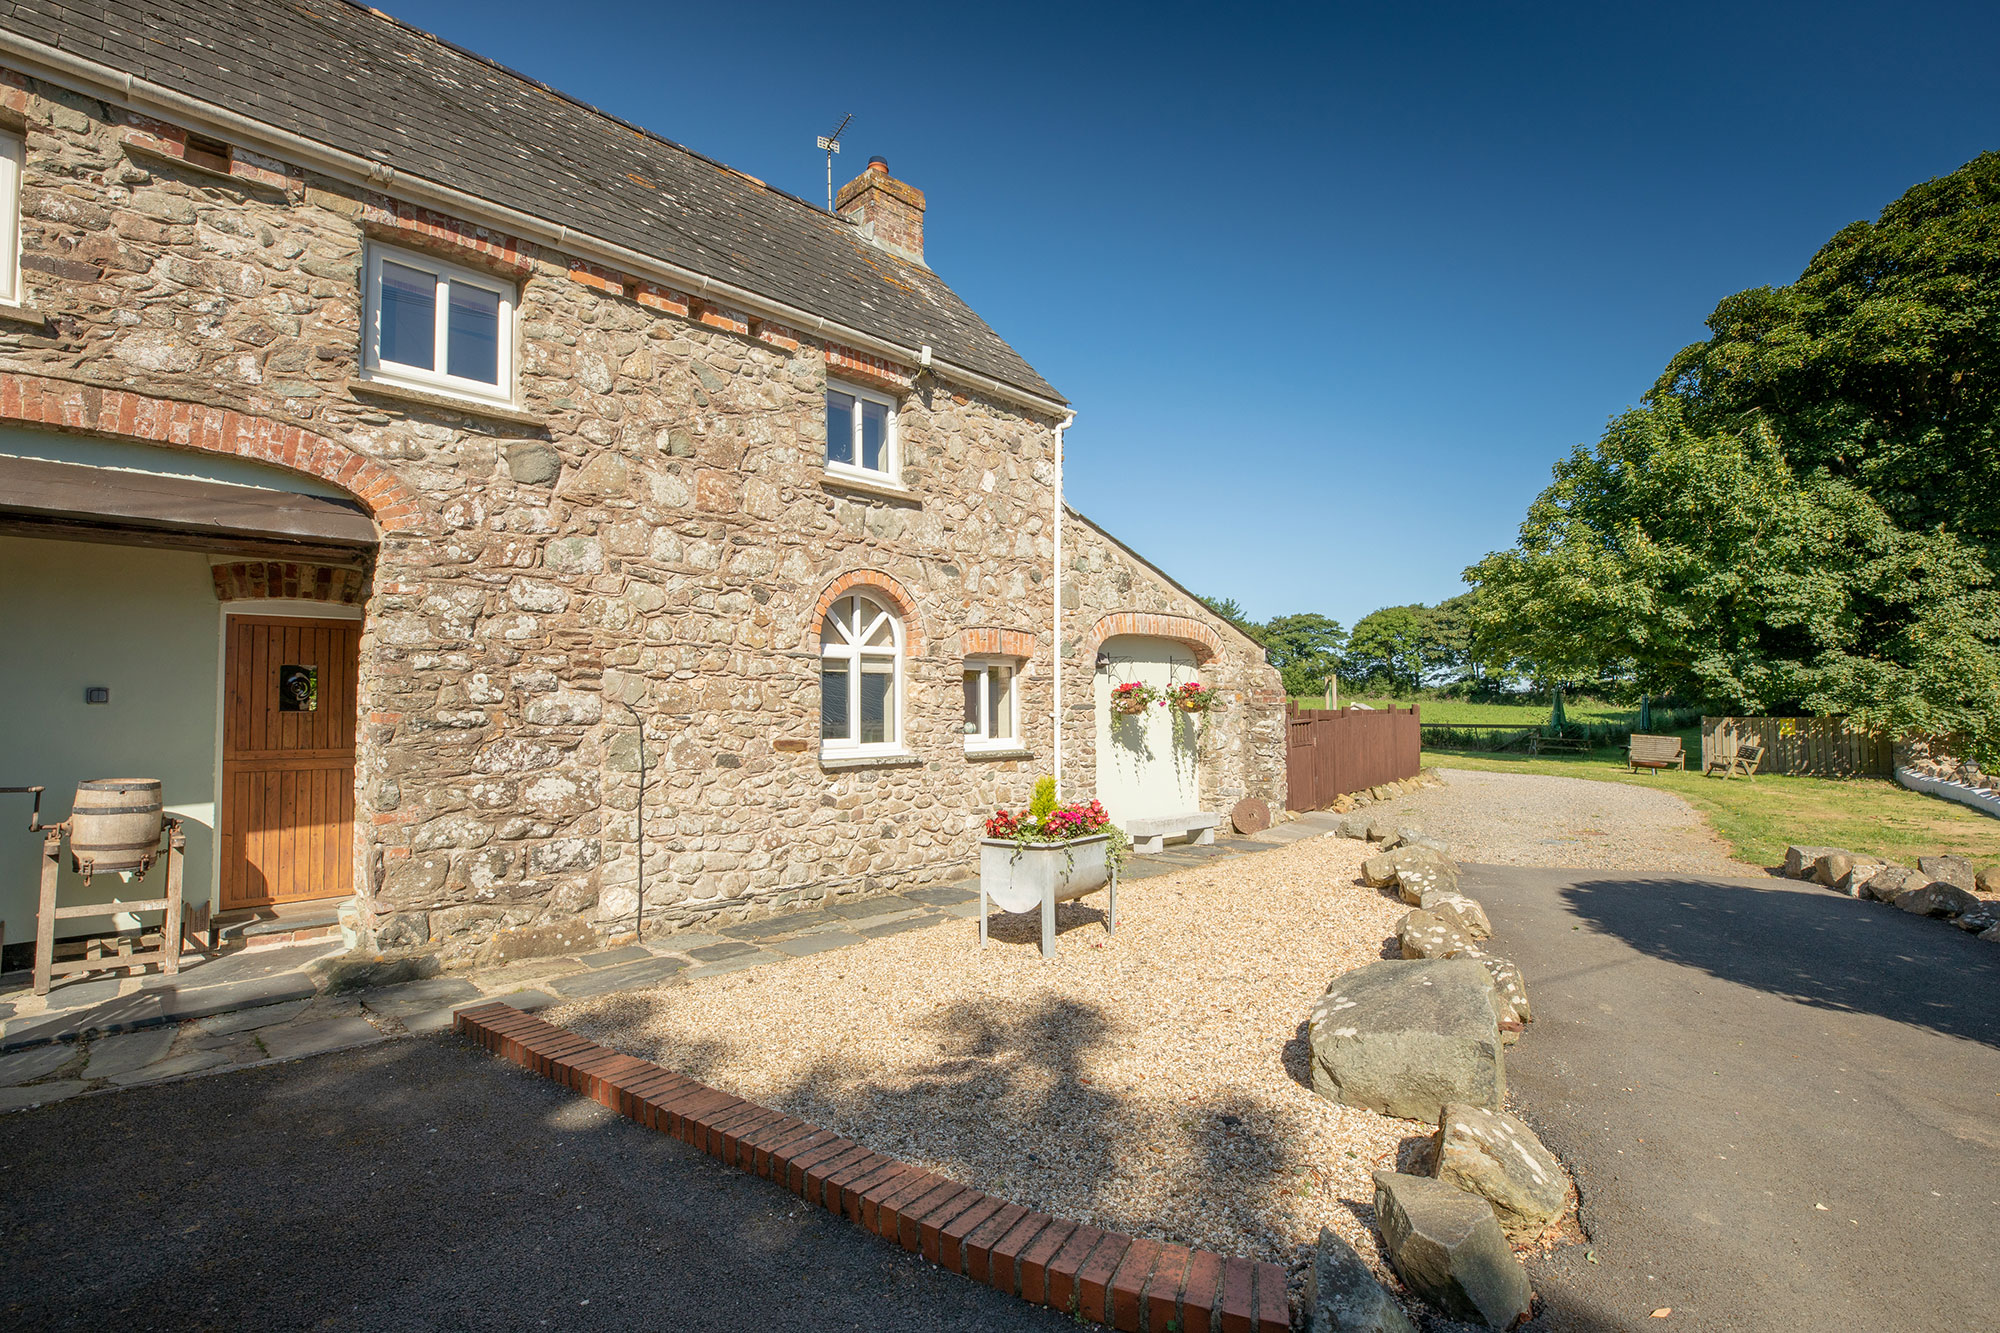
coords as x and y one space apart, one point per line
1458 910
360 971
1354 826
1426 936
1382 828
1448 1246
1425 840
549 940
1953 870
1494 1155
1800 860
1855 880
1406 1037
1937 899
1511 986
1980 920
532 463
1377 872
1419 870
1342 1295
1991 936
1988 880
1832 868
1890 883
403 930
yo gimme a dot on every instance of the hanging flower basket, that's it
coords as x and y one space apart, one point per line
1132 698
1193 697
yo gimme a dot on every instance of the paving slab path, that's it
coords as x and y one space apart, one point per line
1781 1106
419 1185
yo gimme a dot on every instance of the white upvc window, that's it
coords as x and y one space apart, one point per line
861 678
10 219
434 325
861 433
992 705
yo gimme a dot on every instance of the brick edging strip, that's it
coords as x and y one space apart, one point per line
1137 1286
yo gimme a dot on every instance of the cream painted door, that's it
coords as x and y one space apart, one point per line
1146 765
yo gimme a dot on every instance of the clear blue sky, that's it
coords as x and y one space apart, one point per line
1330 287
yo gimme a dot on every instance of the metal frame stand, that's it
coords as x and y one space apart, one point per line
1049 913
168 955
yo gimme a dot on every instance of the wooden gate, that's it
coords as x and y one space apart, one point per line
288 760
1332 753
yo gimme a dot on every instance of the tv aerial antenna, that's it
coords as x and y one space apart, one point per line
830 144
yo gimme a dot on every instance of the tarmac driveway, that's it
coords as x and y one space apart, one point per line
420 1184
1782 1106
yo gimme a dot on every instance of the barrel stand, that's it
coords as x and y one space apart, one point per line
168 955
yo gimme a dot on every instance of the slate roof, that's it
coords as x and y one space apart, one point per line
356 80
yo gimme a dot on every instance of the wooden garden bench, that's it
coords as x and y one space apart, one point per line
1656 752
1559 744
1736 759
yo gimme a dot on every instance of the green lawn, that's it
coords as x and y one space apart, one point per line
1757 818
1450 711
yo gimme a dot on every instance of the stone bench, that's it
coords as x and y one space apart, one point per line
1150 835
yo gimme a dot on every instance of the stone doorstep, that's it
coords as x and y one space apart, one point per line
1093 1275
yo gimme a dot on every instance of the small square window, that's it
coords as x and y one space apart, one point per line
991 712
861 433
433 325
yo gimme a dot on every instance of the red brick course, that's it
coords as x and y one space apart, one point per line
875 581
1139 1286
1207 644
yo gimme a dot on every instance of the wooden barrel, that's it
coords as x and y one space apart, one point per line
114 824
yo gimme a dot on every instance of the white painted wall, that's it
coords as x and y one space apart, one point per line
145 623
1146 765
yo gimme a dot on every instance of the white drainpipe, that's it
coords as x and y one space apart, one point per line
1055 653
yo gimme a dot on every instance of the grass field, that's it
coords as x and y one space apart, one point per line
1457 711
1758 817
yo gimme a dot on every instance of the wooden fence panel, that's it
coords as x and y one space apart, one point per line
1819 747
1330 753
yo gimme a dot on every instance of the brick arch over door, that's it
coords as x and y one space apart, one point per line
36 400
873 581
1206 643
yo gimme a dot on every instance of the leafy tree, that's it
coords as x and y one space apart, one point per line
1305 648
1227 608
1390 645
1804 514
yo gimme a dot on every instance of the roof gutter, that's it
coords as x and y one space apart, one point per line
96 79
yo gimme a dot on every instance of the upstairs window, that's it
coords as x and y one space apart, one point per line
860 678
991 712
10 219
433 325
861 433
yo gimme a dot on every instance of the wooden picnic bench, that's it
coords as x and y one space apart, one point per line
1656 752
1562 744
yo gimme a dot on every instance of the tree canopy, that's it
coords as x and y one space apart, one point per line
1803 515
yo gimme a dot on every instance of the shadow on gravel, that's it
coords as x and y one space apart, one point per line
1814 947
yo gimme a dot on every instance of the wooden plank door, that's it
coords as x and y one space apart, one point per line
288 759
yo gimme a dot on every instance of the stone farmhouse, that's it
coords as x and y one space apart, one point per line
488 513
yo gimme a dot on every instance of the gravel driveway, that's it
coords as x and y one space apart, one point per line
1527 819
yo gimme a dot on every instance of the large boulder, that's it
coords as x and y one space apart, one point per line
1799 859
1953 870
1494 1155
1890 883
1988 880
1354 826
1458 910
1448 1246
1937 899
1406 1037
1426 936
1342 1295
1382 827
1832 868
1420 870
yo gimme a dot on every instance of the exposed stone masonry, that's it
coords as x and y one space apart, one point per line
651 557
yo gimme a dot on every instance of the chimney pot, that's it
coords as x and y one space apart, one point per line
890 214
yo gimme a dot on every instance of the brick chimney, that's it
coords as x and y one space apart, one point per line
891 213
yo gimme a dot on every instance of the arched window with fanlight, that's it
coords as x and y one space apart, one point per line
861 677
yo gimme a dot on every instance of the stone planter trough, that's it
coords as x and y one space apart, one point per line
1016 877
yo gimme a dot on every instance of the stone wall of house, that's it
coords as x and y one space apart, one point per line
642 548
